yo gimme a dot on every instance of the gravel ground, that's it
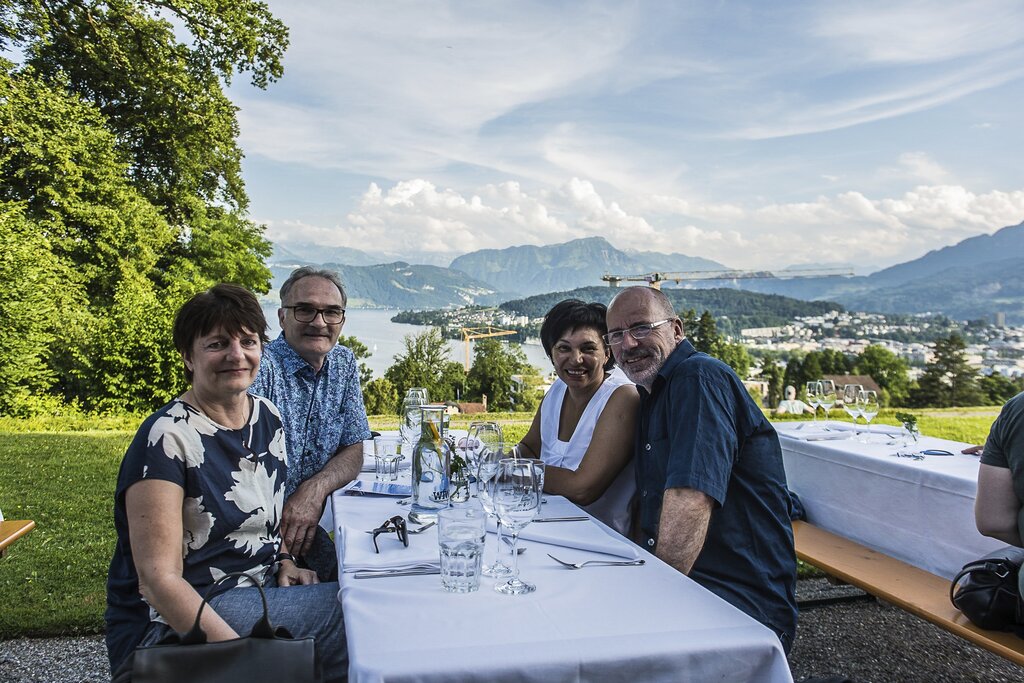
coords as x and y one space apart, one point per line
866 641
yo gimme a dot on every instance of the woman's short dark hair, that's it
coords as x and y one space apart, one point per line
569 316
229 307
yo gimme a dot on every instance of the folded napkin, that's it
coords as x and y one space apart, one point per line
875 429
579 535
358 554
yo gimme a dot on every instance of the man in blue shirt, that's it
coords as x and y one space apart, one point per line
713 501
314 383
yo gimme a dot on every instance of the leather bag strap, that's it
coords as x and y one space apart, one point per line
261 629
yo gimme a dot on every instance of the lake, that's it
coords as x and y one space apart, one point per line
373 327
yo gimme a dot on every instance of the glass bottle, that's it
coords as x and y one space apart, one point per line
430 462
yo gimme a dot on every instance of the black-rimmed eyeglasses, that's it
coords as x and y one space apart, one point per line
636 332
397 525
307 314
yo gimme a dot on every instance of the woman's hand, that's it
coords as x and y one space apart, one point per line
290 575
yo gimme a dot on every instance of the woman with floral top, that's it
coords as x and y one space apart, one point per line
199 495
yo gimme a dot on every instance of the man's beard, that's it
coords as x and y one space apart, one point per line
643 372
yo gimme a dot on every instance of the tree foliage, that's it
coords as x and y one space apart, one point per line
119 164
948 380
425 363
361 352
771 373
495 367
887 369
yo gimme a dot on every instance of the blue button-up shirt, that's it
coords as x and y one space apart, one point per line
322 412
700 429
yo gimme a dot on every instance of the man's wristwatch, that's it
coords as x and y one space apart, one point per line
281 557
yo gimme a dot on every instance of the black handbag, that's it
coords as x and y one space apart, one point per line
986 590
267 655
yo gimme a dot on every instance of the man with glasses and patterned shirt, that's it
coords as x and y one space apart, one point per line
314 383
712 493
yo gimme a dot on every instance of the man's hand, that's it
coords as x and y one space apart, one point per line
301 516
290 575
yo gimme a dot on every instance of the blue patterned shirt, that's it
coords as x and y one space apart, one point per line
322 412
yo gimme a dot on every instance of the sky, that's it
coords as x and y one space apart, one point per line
759 134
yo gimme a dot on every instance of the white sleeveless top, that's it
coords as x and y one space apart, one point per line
612 508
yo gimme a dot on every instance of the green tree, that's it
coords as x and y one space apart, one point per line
887 369
361 352
735 356
30 302
948 380
705 337
380 396
425 363
772 374
118 145
689 319
494 365
810 369
998 389
794 376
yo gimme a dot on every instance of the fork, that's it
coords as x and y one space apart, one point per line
597 563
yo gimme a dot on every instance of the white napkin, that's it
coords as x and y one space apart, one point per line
819 436
579 535
358 553
875 429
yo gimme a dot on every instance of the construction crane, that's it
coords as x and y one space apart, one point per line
655 279
470 333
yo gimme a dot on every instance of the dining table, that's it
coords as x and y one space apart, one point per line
601 623
912 500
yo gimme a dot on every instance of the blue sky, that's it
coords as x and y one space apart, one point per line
758 134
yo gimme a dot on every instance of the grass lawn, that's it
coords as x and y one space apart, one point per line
61 473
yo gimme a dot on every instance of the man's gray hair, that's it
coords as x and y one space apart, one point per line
310 271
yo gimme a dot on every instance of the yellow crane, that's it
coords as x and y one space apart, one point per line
655 279
470 333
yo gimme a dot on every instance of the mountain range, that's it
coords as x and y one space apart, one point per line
976 278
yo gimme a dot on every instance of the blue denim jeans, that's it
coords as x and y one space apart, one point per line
306 611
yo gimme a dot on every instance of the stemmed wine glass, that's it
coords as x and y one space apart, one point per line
813 392
479 436
850 392
516 493
488 460
409 428
826 395
867 403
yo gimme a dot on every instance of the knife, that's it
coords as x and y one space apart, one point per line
562 519
383 573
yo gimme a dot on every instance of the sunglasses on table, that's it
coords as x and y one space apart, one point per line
397 525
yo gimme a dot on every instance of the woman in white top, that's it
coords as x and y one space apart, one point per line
584 428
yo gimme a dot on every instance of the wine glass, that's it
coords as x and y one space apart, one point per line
409 428
480 435
488 460
516 494
826 395
867 403
850 392
813 391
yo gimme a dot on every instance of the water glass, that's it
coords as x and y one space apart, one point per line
386 457
460 537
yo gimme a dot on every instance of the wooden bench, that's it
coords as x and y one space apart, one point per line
914 590
13 529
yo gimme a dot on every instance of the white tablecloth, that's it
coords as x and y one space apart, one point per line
919 511
646 623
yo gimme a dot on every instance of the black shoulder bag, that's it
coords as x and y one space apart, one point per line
266 655
986 590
